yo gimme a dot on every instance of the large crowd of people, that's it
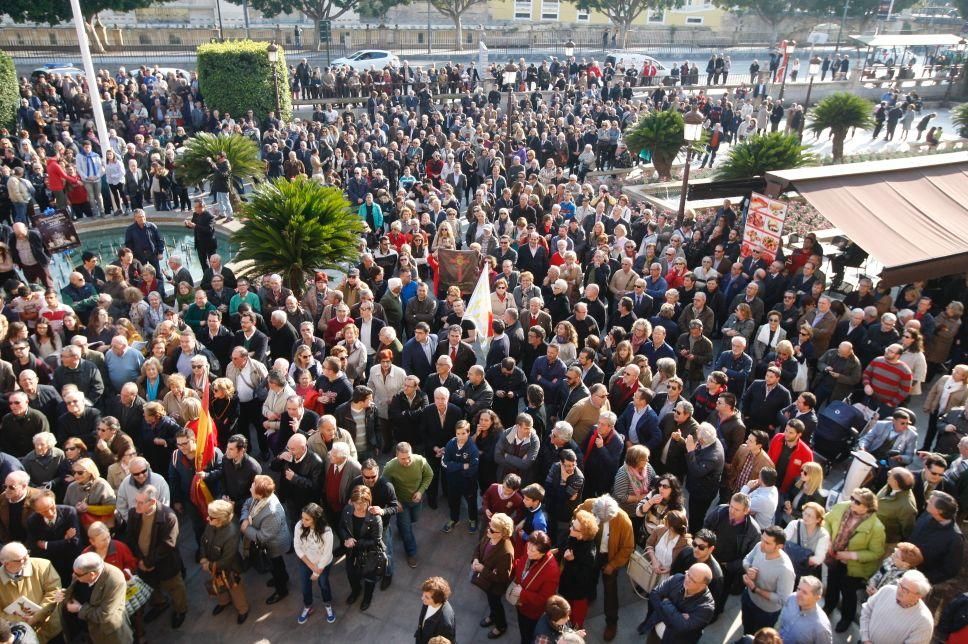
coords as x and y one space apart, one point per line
645 393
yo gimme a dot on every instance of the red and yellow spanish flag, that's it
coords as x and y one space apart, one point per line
206 437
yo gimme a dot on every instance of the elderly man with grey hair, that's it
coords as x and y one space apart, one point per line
705 461
103 609
74 369
616 530
337 480
896 614
139 475
603 449
300 475
35 580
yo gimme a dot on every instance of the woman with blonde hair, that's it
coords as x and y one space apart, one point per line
566 339
91 495
444 238
491 570
808 488
220 558
578 567
174 401
224 409
665 369
905 556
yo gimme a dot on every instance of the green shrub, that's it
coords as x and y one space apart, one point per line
235 76
9 92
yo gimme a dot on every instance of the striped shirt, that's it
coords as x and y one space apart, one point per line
891 381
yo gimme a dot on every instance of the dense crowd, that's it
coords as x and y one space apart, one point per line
646 396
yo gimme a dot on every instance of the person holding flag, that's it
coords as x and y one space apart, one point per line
194 467
480 313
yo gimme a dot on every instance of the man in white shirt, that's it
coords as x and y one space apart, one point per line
897 614
764 497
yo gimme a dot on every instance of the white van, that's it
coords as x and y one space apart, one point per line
636 61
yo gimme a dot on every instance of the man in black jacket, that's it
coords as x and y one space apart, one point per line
736 534
144 240
705 461
940 539
301 476
460 353
53 533
406 410
929 479
77 371
763 400
238 471
510 386
437 423
683 604
36 268
384 503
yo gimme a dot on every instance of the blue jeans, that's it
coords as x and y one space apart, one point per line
405 520
20 212
754 617
305 576
224 203
388 545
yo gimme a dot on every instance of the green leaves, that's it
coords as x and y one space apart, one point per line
236 76
295 227
959 115
840 112
57 11
659 132
242 154
9 92
763 153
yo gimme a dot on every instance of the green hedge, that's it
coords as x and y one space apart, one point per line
235 76
9 92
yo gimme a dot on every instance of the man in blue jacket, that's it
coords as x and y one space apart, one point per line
683 605
639 423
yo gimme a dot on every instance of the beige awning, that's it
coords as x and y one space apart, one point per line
910 214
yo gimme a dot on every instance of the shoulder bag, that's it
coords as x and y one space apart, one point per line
513 593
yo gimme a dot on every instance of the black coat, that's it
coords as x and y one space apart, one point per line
433 434
465 357
61 551
442 623
759 409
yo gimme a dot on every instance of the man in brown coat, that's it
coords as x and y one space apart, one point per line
584 414
823 322
104 613
749 459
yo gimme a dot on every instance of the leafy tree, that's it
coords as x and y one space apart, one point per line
378 8
660 134
959 115
623 13
54 12
241 152
455 9
315 10
295 227
9 93
841 112
772 12
763 153
235 76
864 11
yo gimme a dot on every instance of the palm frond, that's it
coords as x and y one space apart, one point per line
959 116
242 154
763 153
840 112
295 227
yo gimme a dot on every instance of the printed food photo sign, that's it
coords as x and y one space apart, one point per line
764 225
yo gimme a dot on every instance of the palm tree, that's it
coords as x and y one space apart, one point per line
294 227
659 133
242 153
840 112
762 153
959 115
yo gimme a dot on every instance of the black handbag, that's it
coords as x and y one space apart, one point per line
259 557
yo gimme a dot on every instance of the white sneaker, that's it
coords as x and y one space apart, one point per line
330 615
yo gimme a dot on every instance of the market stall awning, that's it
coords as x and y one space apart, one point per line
913 220
908 40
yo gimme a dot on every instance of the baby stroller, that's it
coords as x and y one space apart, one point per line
839 425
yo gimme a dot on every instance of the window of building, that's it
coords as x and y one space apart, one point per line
657 16
583 15
522 10
694 20
549 9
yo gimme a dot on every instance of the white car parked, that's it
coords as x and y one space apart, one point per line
368 58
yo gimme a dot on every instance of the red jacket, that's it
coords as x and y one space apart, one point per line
56 177
801 454
538 586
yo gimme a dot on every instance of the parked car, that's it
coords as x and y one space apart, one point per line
367 58
64 69
637 62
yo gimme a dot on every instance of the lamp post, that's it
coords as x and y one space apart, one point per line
273 53
509 77
691 133
569 48
789 47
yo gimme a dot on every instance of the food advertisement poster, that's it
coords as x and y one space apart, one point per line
764 225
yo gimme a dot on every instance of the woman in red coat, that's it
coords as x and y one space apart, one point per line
537 575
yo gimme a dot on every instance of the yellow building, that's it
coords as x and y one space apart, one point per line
693 13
